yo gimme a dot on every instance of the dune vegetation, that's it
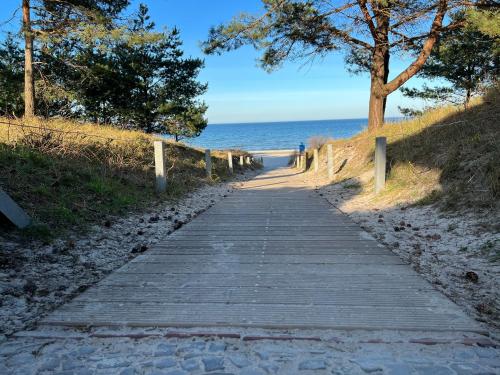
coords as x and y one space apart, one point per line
67 174
447 155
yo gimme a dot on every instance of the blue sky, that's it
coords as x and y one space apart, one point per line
240 91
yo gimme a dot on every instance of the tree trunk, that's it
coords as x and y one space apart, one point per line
29 87
386 75
379 74
376 109
380 64
468 95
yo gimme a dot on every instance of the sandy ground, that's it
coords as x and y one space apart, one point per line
35 278
65 268
457 253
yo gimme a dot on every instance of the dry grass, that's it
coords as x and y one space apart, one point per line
318 141
68 175
447 155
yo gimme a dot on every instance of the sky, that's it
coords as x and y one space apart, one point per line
239 90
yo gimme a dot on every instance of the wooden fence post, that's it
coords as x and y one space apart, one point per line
316 160
230 161
241 160
208 163
329 154
380 162
160 168
248 160
12 211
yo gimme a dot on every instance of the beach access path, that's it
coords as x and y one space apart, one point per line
270 280
273 254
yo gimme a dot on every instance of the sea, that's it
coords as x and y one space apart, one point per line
275 135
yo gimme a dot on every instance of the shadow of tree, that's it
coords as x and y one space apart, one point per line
464 147
447 156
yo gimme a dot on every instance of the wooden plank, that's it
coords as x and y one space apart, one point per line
270 230
262 295
268 252
262 316
269 259
365 270
310 239
190 250
289 281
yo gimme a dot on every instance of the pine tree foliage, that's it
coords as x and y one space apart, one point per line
93 65
466 60
11 78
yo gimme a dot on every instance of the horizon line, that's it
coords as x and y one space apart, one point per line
283 121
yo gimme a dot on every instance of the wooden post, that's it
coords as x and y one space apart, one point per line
380 162
208 163
329 155
303 162
241 160
316 160
12 211
160 168
248 160
230 161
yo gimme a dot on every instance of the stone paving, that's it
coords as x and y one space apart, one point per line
355 353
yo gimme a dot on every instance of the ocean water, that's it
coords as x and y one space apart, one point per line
274 135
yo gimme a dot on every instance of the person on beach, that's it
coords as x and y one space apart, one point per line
302 148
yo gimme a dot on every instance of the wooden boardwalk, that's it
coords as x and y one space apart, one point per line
271 255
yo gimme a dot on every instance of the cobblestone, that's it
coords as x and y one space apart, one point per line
164 350
312 364
217 347
368 365
212 356
165 363
190 365
434 370
213 363
240 361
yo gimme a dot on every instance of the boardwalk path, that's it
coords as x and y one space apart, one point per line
273 255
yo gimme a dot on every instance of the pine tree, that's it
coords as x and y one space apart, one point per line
466 59
11 78
371 31
48 22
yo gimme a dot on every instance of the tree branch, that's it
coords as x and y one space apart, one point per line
368 17
415 66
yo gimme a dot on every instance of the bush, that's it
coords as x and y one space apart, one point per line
318 141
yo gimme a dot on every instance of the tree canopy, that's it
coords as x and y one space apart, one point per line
466 59
369 31
89 63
